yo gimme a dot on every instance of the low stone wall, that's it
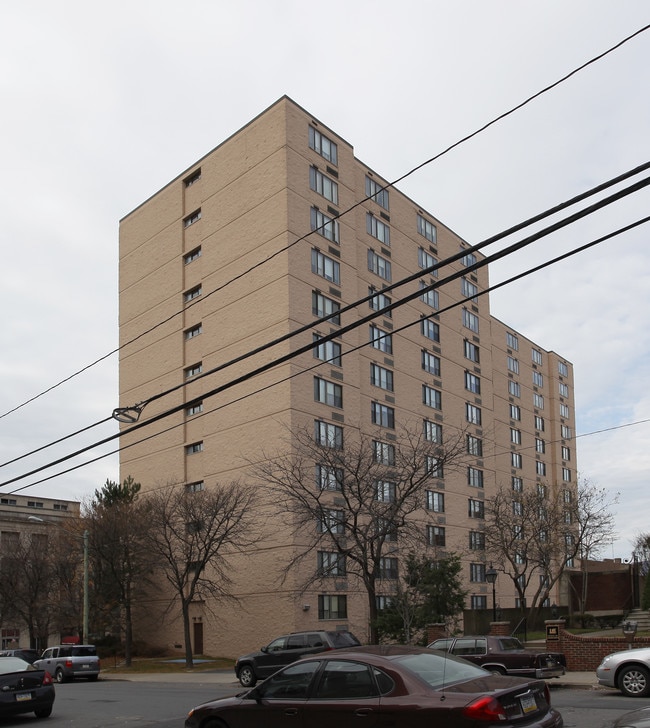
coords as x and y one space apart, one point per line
584 652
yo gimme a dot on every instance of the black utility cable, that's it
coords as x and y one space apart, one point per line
304 237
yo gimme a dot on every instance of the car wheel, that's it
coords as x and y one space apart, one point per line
59 675
43 712
497 671
247 676
634 681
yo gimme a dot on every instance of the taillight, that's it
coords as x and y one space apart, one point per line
486 708
68 663
47 678
547 694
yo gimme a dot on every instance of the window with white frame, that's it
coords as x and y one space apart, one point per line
566 453
515 459
515 412
322 306
325 225
323 185
566 474
328 351
431 397
563 389
328 393
381 340
382 415
379 265
194 409
325 267
513 365
328 435
377 228
538 400
564 410
430 329
539 423
537 356
323 145
538 379
512 341
515 436
381 377
514 390
563 369
540 467
377 192
430 363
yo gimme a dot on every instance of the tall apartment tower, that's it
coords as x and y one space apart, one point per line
276 227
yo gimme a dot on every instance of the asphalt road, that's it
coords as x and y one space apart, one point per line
127 704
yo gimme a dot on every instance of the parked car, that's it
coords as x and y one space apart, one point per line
634 719
286 649
67 662
24 689
627 670
24 654
387 684
504 655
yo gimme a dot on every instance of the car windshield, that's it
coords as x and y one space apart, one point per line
439 670
13 664
84 651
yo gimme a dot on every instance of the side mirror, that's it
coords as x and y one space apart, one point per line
264 649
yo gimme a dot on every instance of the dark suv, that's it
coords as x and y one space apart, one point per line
288 648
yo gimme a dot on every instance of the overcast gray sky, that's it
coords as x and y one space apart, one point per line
104 103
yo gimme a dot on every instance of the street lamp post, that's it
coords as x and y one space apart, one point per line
491 578
85 615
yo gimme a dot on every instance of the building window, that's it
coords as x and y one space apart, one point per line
431 397
323 146
539 423
537 356
477 601
515 436
59 506
192 332
475 508
432 431
332 521
426 261
436 536
192 255
193 371
477 572
515 412
381 377
477 541
388 567
540 445
517 508
382 415
472 383
512 342
328 351
328 478
428 295
434 467
515 459
384 453
430 329
566 474
542 490
517 484
540 467
192 294
194 448
430 363
427 229
195 487
474 477
471 351
567 496
322 306
472 414
435 501
564 410
379 301
192 218
323 185
385 491
468 289
376 191
331 563
563 369
563 389
538 400
326 267
538 379
565 432
475 446
328 392
381 340
566 453
328 435
518 532
193 178
332 606
513 365
514 390
377 228
194 409
383 602
468 259
379 265
324 225
470 321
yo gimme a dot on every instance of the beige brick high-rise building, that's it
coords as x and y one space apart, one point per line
251 243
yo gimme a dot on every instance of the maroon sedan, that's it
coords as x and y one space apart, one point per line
409 687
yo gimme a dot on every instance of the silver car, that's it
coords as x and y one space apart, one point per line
628 670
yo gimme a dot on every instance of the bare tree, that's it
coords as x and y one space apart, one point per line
191 535
352 504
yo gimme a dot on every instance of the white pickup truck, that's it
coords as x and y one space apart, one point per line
65 662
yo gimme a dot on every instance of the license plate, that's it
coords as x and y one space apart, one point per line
85 667
528 704
21 697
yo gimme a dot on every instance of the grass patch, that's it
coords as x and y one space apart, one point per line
164 665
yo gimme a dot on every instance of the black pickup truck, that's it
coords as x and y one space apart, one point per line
503 655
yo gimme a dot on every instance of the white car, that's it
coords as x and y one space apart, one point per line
628 670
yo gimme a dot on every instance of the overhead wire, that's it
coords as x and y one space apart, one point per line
437 156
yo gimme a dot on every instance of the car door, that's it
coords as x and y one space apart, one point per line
46 661
272 658
346 695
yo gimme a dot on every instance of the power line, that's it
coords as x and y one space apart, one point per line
304 237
